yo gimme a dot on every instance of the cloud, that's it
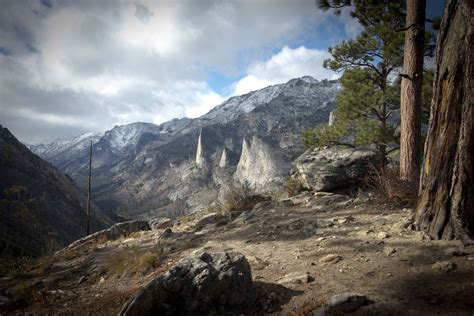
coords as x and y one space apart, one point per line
287 64
76 66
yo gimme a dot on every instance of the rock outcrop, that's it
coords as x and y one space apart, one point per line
328 169
118 230
260 165
200 160
223 161
197 284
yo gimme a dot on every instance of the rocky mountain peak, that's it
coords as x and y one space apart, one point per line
223 160
200 160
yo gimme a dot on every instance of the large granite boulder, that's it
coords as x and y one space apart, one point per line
197 285
338 167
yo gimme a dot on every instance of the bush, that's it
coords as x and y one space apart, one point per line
388 186
242 198
294 186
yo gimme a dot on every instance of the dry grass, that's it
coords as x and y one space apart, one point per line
130 261
242 198
388 187
293 186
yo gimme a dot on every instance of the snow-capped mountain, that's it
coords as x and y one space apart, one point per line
141 165
58 146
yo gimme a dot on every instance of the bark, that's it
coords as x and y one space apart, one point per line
445 207
410 99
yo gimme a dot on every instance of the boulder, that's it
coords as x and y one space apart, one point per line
337 167
161 223
197 285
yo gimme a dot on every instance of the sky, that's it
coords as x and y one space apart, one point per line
68 67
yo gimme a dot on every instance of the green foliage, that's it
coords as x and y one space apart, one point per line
358 115
368 97
323 135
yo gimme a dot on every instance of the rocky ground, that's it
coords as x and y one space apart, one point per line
302 252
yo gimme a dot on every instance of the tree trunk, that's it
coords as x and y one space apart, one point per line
410 94
446 204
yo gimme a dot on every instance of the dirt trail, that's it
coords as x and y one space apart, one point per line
301 254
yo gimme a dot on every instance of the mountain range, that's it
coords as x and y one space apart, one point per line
185 164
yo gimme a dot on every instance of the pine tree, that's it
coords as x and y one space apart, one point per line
368 97
411 91
446 204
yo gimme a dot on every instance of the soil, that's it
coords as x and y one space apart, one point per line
301 254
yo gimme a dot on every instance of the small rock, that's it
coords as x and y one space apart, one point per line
325 223
102 279
444 266
296 278
348 219
234 214
206 220
166 233
402 225
285 202
388 251
302 198
81 279
470 258
331 258
383 235
342 304
457 253
161 223
261 205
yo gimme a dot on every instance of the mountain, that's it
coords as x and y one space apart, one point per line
143 167
41 208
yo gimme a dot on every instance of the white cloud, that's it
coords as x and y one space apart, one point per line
116 62
186 98
287 64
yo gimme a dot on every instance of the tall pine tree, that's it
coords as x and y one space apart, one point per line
369 97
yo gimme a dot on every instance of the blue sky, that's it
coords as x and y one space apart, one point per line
69 67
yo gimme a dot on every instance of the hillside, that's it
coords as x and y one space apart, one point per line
141 167
41 208
302 251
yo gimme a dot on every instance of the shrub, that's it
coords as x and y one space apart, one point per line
293 186
241 198
390 188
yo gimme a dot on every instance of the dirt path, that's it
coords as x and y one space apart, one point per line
301 254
